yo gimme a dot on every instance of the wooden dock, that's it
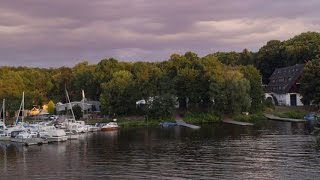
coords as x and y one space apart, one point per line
180 122
272 117
230 121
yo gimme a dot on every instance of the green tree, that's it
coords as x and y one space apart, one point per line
118 94
11 88
310 83
61 78
51 107
77 112
270 57
302 48
228 58
231 95
160 107
256 91
84 80
146 75
246 57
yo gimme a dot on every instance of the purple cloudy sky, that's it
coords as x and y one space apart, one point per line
54 33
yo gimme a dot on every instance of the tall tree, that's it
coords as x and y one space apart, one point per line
310 83
270 57
118 95
51 107
84 80
246 57
256 91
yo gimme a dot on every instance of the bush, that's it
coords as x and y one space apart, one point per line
77 111
201 118
292 114
249 118
269 104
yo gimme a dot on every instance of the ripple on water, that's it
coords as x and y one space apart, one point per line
213 152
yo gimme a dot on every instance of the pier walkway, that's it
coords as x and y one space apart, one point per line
272 117
230 121
180 122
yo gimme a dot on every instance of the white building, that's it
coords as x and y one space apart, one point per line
284 85
88 106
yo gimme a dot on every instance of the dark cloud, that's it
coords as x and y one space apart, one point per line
63 33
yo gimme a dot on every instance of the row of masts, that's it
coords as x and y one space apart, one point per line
21 108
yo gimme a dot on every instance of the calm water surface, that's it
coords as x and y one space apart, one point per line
271 150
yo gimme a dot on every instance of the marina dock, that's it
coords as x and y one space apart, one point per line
180 122
230 121
272 117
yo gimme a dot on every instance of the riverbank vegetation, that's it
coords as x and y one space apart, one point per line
205 88
291 112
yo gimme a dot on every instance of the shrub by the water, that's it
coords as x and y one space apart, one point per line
199 118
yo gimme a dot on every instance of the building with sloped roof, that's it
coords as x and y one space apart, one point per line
284 85
88 106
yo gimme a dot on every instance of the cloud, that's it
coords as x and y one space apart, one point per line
55 33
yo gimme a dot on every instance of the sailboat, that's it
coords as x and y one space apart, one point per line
73 127
3 133
87 128
19 130
9 132
21 134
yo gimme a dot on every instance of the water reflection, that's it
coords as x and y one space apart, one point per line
271 150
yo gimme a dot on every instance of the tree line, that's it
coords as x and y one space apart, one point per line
194 83
223 82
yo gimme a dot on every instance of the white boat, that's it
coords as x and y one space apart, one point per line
111 126
91 128
71 124
72 135
56 135
4 136
27 135
75 126
49 132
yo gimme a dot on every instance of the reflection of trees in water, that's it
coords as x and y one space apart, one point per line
14 155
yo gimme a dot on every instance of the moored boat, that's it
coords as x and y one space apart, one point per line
111 126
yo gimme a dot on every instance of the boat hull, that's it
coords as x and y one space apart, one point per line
109 129
58 139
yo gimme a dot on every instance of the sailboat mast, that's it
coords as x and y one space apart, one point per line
83 103
22 106
4 111
70 104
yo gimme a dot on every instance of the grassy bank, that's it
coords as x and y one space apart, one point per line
197 118
249 118
138 121
200 118
291 112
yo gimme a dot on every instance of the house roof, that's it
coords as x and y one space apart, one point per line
282 79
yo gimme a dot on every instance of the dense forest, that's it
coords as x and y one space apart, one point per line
223 82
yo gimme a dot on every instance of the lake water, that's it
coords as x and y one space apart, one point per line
271 150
